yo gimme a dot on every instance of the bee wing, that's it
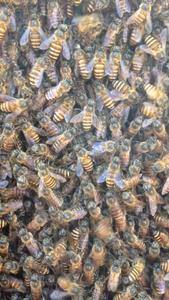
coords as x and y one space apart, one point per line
46 43
115 95
132 18
163 38
148 23
90 66
39 80
96 195
146 49
102 177
79 168
12 117
95 121
109 66
99 103
68 115
42 34
25 37
124 70
119 181
77 118
6 98
66 50
51 140
147 122
152 205
3 184
40 189
165 188
12 24
166 277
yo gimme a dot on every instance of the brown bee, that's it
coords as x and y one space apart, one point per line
165 266
111 33
160 130
89 271
161 164
103 230
53 199
131 202
97 5
75 262
161 220
72 214
104 97
125 149
111 173
57 43
87 116
84 162
133 241
98 64
64 110
47 124
153 251
38 222
89 23
149 110
162 238
99 287
81 63
70 286
153 197
11 193
98 253
11 267
143 225
135 126
59 90
33 34
61 141
141 16
115 128
128 182
10 282
138 60
54 15
8 138
116 211
43 151
36 287
32 264
7 22
10 207
29 241
114 277
113 66
128 293
137 269
21 157
30 132
4 245
37 72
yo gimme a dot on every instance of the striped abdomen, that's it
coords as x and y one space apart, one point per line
119 216
9 142
49 181
31 134
152 43
82 67
34 75
87 120
87 163
3 30
121 86
99 70
61 111
115 69
10 106
55 49
149 110
35 38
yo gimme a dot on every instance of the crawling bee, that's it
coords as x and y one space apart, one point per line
123 89
84 162
143 225
160 165
142 16
21 157
161 220
113 66
98 64
66 70
55 14
4 245
11 267
104 97
33 34
149 110
125 149
137 269
10 207
43 151
57 43
136 35
128 293
155 93
114 277
56 92
154 251
7 22
64 110
38 222
36 287
55 253
37 72
103 230
97 5
133 241
70 286
75 263
8 138
135 126
34 265
72 214
89 23
53 199
158 281
30 132
111 33
10 282
131 202
29 241
116 211
111 173
98 253
162 238
138 60
13 105
160 130
99 287
47 124
87 116
61 141
89 271
153 197
81 63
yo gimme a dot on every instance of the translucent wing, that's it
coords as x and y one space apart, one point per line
118 10
39 80
12 24
109 67
3 184
12 117
124 70
42 34
46 43
77 118
96 196
58 177
57 295
40 189
163 38
128 6
102 177
6 98
99 103
90 66
146 49
148 23
66 50
95 121
67 116
98 148
51 140
115 95
119 181
147 122
152 205
25 37
79 168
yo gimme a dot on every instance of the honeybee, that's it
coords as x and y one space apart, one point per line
131 202
13 106
149 110
21 157
98 64
111 33
70 286
72 214
128 293
143 225
158 281
10 207
155 93
136 35
87 116
113 66
138 60
89 271
66 70
154 251
104 97
11 267
99 287
88 24
55 14
29 241
61 141
123 90
43 151
98 253
56 92
8 137
155 47
114 277
75 263
111 173
30 132
128 182
101 130
122 7
137 269
38 222
161 220
162 238
84 162
36 287
37 72
81 63
7 22
47 124
10 282
160 130
64 110
160 165
97 5
125 149
133 241
32 264
33 34
103 230
153 197
90 191
4 245
116 211
135 126
57 43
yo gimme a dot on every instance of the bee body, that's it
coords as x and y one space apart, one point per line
55 48
89 271
138 60
165 266
81 59
3 223
86 161
117 213
36 287
135 126
74 239
136 270
115 61
33 265
154 93
69 9
154 45
162 238
30 132
3 30
58 91
35 74
121 87
75 265
149 109
8 138
161 221
98 253
64 109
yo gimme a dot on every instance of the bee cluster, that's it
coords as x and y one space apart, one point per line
84 149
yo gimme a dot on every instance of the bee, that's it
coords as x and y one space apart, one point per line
61 141
101 130
160 164
94 211
131 202
29 241
89 271
149 110
98 64
116 211
36 73
97 5
32 264
64 110
111 33
8 138
142 16
36 287
133 241
88 24
128 182
138 60
135 126
104 97
74 238
143 296
56 92
114 277
103 230
125 149
99 287
3 223
143 225
10 207
128 293
158 281
38 222
122 7
90 191
155 93
113 66
10 282
84 162
69 9
75 263
154 251
87 116
111 173
165 266
136 36
13 105
162 238
30 132
115 128
153 197
11 267
21 157
55 14
70 286
4 245
159 130
72 214
43 151
7 22
137 269
81 63
98 253
161 220
47 124
48 178
122 87
57 43
56 253
33 34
